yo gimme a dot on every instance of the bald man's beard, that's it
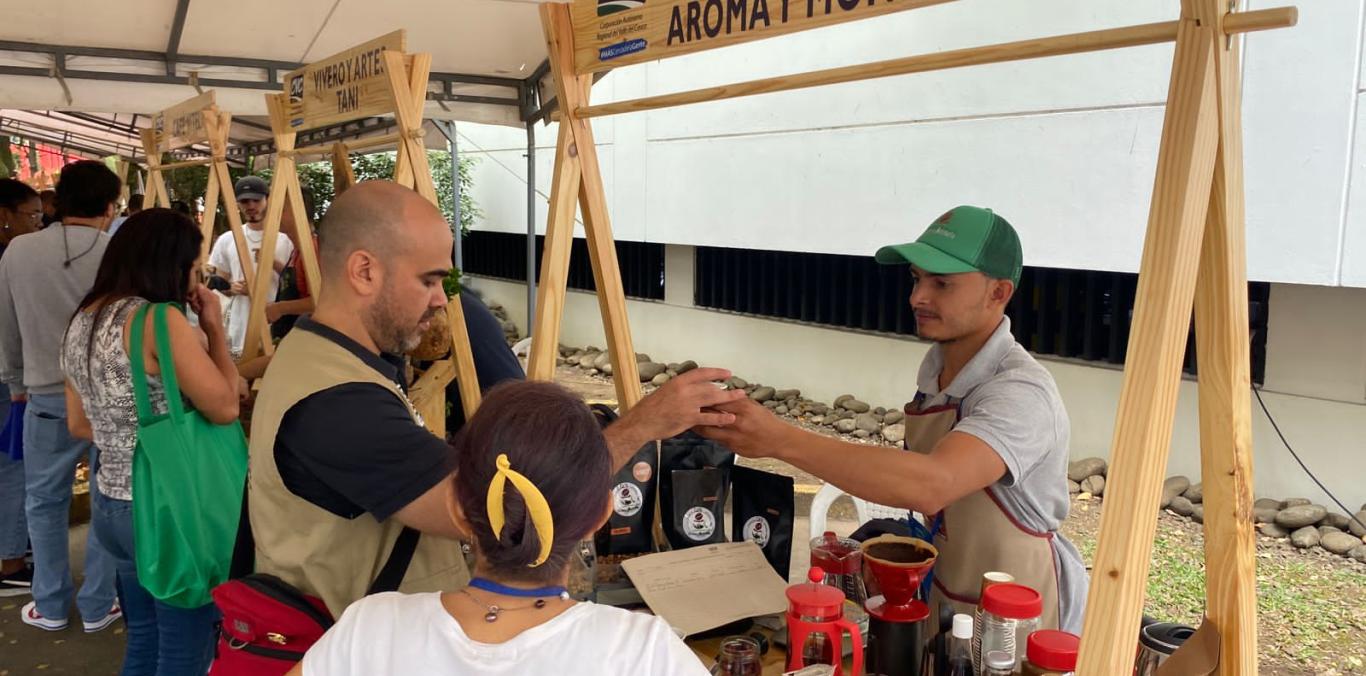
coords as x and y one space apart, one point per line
391 333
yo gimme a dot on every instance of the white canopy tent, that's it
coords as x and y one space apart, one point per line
87 76
141 56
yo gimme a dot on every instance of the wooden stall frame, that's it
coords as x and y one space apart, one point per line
212 127
404 91
1193 259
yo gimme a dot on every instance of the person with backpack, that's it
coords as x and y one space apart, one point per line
533 478
150 261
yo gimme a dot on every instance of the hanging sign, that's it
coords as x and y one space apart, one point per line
342 87
611 33
182 124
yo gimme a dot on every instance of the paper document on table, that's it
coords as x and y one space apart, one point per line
705 587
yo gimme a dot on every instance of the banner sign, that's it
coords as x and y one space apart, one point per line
182 124
612 33
342 87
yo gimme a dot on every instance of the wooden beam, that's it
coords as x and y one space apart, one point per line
1223 356
574 92
343 174
204 162
1075 43
1152 371
351 146
559 240
428 396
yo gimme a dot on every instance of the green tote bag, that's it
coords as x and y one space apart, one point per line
188 478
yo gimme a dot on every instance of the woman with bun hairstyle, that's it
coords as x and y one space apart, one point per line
532 480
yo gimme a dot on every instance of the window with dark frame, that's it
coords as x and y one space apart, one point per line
1080 314
503 255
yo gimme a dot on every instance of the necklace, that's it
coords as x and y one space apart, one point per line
493 610
66 247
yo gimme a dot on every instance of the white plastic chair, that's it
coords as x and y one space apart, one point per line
522 350
866 511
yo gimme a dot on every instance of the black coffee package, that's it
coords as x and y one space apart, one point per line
762 511
629 530
686 452
698 503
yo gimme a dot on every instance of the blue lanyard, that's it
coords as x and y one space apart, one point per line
496 588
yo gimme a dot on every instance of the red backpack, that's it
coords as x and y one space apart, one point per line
268 624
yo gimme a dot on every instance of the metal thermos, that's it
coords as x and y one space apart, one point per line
1157 642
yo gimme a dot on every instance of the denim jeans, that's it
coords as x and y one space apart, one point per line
50 457
13 524
162 640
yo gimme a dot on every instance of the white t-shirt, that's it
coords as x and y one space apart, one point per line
223 257
397 633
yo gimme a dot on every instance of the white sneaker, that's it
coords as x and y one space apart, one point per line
103 623
29 614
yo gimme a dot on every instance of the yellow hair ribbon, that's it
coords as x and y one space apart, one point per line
536 505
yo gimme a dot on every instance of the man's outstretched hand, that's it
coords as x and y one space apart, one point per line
687 401
754 432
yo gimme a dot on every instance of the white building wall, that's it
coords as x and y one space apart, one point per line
1064 147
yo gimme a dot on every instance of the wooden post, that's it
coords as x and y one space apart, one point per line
217 124
283 187
343 174
559 238
572 92
1152 373
1224 362
156 186
409 89
206 221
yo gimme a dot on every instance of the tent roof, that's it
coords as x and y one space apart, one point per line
140 56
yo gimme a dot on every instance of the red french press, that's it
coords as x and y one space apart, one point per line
816 626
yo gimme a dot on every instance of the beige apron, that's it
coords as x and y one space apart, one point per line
977 535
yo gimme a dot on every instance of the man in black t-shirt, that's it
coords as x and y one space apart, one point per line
354 448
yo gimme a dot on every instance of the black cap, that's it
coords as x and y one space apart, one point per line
251 188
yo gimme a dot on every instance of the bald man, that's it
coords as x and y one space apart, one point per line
343 474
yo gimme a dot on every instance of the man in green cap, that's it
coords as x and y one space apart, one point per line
987 425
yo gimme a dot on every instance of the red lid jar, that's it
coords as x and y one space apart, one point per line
1051 652
1012 601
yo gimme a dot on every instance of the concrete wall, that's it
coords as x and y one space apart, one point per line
1315 384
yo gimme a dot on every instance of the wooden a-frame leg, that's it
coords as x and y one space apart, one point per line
572 92
280 191
559 240
211 198
1152 373
409 87
343 174
157 194
1224 361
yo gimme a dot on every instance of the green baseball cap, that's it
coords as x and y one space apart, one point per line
964 239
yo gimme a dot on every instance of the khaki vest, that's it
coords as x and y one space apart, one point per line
305 545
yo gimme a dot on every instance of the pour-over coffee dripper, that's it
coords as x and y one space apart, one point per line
896 618
898 564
